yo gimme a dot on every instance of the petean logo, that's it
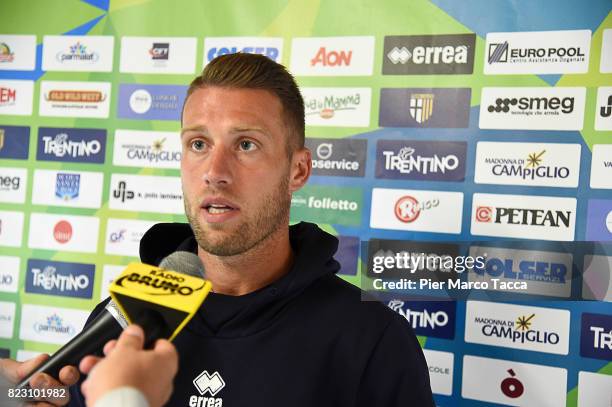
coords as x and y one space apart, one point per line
408 208
323 57
62 232
521 216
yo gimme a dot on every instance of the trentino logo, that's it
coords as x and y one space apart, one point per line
425 107
421 160
78 53
429 54
596 336
428 318
60 278
71 145
67 186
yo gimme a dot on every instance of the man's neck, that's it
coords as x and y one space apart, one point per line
247 272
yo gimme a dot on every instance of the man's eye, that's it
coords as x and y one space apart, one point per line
247 145
198 145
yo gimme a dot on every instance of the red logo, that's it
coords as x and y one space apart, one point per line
62 232
7 95
511 386
407 209
484 214
331 58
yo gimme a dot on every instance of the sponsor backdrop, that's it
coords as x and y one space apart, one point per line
430 123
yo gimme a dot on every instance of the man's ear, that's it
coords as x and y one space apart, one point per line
301 168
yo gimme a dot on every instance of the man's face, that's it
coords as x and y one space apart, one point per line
235 170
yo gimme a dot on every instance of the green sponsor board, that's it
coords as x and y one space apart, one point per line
325 204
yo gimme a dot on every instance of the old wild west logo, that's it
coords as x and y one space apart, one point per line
82 96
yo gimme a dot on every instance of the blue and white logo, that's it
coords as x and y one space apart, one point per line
428 318
71 145
67 186
60 278
596 337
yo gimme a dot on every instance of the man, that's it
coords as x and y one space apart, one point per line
280 328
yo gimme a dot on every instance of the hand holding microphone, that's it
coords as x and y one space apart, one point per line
160 300
129 370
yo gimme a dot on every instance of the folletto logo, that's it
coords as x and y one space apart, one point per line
328 204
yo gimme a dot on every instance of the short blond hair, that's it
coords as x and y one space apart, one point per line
253 71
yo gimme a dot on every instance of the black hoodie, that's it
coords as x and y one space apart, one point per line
305 340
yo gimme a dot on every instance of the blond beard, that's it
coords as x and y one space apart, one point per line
273 215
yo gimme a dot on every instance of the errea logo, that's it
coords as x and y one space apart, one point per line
210 384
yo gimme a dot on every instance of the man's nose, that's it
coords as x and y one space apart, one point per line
218 168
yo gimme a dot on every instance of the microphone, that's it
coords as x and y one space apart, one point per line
156 309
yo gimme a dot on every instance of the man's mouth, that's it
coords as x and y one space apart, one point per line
215 209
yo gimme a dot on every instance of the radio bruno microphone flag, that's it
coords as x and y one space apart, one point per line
159 300
142 292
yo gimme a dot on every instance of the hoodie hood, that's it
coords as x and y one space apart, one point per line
313 249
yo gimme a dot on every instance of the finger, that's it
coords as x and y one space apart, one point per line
167 351
110 345
85 388
9 368
132 337
69 375
88 363
27 367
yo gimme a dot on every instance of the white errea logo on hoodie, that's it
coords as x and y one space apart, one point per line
207 383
